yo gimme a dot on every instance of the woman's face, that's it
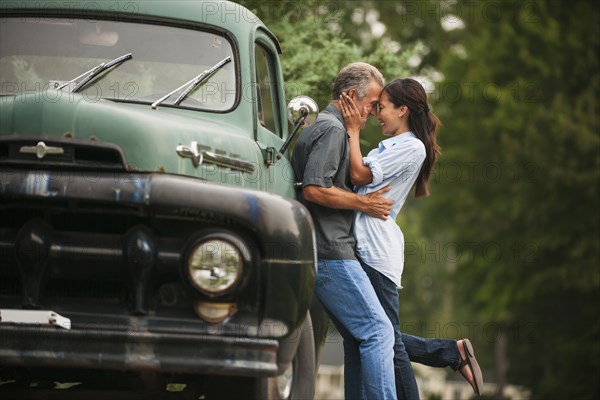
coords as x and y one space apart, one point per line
388 116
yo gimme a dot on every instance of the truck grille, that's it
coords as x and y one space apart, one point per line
61 152
85 289
65 256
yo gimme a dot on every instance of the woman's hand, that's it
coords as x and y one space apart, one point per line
354 119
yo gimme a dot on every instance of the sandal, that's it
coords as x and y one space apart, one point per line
471 362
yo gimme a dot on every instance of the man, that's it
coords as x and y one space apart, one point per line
321 161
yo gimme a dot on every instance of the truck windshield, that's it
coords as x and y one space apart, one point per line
39 55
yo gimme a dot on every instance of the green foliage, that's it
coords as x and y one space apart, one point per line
312 72
315 47
520 176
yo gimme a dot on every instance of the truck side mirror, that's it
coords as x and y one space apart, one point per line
302 111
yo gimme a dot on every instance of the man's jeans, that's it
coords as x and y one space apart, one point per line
350 300
431 352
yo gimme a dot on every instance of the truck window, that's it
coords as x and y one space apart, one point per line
265 99
53 51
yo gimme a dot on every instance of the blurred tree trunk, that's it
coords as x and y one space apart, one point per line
501 365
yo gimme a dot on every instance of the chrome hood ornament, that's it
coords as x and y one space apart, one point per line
41 150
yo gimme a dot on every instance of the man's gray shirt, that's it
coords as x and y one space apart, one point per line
321 158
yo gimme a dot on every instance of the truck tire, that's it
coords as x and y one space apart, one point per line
298 381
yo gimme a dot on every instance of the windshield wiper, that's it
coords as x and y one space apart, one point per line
94 72
192 84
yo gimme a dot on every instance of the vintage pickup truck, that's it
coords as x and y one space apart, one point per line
150 241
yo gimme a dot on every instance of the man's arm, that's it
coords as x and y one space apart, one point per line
373 204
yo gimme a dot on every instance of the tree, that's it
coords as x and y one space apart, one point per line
517 185
315 47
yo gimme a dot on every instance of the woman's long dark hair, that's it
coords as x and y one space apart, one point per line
421 121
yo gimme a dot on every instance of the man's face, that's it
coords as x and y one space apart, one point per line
369 102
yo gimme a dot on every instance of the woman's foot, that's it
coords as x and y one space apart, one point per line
469 368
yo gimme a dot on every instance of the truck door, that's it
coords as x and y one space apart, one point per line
272 123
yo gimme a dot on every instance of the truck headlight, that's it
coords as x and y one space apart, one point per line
215 265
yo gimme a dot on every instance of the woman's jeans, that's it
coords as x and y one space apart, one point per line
430 352
350 300
437 353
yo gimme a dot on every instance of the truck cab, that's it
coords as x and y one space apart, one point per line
150 240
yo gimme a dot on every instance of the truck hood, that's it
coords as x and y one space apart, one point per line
148 138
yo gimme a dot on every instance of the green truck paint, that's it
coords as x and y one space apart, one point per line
112 206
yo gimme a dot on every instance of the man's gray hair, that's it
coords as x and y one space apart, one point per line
357 76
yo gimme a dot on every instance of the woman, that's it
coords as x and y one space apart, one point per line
405 159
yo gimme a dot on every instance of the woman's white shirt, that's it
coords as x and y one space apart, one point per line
395 163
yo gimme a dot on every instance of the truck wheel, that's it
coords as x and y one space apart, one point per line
298 381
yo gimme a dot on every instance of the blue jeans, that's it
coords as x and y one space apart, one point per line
438 353
430 352
348 296
387 294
